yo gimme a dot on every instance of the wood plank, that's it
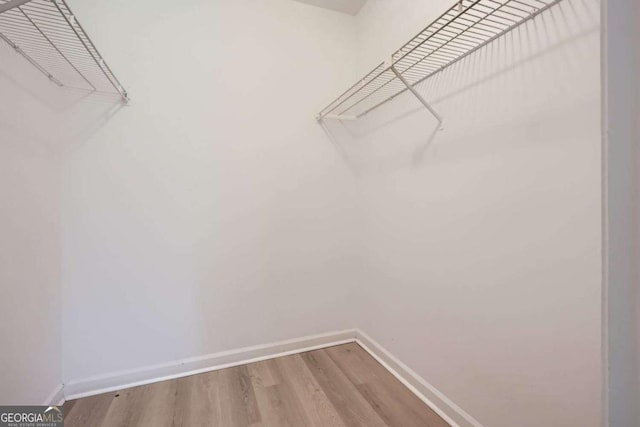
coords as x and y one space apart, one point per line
278 404
391 400
352 407
160 405
126 409
394 411
350 355
285 398
89 412
342 386
197 402
314 402
152 405
237 399
261 373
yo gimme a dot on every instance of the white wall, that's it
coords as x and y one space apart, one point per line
29 236
211 213
482 251
385 26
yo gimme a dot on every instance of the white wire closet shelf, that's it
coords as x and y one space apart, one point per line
464 28
48 35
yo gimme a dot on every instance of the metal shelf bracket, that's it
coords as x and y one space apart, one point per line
420 97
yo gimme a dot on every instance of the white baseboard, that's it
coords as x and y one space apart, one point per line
436 400
56 397
119 380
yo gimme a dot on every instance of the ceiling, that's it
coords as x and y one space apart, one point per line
352 7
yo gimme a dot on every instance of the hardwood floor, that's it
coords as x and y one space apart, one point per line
340 386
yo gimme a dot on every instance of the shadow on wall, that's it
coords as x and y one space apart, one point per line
475 93
52 132
41 118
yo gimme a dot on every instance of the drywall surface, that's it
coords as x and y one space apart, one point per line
482 247
621 201
384 26
210 214
29 237
352 7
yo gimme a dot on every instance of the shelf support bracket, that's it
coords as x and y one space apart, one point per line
12 4
417 95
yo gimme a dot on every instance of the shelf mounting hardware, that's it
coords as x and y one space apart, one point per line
417 95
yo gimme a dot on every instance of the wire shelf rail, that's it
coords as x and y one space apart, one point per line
48 35
465 27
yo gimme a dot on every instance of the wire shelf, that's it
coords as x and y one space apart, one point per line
464 28
48 35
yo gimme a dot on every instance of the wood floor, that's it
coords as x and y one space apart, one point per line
337 386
